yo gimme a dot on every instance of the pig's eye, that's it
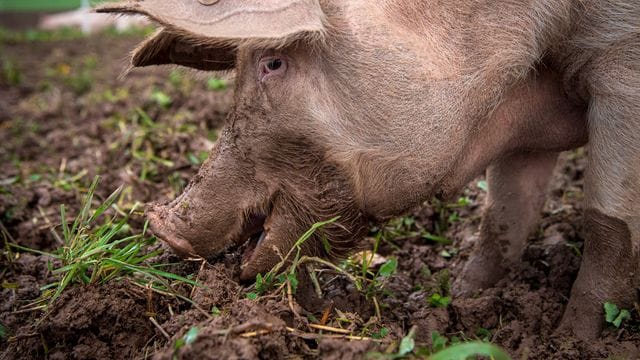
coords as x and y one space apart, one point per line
272 66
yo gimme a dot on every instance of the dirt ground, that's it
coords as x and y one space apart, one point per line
66 115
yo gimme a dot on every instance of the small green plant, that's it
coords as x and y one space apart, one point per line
162 99
4 332
66 33
288 277
483 185
614 315
405 348
96 253
443 348
447 215
407 344
216 84
438 342
142 138
406 227
380 334
197 159
189 338
438 301
472 349
483 334
175 78
11 73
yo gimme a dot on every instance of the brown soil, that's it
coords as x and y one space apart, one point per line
71 115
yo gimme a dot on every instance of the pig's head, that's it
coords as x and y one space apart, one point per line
324 124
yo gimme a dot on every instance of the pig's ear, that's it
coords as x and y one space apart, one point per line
268 22
167 48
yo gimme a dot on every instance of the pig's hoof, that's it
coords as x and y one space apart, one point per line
582 318
479 273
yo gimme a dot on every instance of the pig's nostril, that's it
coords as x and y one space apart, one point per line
158 222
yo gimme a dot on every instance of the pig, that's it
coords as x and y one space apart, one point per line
366 109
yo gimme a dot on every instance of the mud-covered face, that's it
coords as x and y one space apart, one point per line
269 177
333 116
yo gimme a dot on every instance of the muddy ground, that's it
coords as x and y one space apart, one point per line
66 116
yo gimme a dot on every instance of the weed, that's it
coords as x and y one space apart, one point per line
11 73
614 315
188 339
467 350
407 343
116 95
447 215
483 185
407 227
175 77
12 37
197 159
438 301
457 350
98 253
78 77
380 334
142 137
161 99
68 182
483 334
4 332
287 277
216 84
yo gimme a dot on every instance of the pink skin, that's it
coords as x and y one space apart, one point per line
365 109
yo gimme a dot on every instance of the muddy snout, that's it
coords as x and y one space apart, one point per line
165 225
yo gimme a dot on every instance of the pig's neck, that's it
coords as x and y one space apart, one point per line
491 52
534 115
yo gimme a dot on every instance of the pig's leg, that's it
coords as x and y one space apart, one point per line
610 269
517 190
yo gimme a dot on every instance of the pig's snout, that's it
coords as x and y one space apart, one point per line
165 225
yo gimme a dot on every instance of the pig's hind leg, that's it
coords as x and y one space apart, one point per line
517 192
610 270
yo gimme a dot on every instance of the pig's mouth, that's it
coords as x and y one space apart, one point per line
252 236
251 245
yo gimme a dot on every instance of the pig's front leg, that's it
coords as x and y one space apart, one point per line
517 190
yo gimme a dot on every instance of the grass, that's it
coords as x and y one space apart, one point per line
283 277
31 36
440 351
42 5
11 73
96 252
78 76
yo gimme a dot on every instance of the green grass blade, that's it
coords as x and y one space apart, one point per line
313 229
39 252
463 351
65 226
107 203
151 271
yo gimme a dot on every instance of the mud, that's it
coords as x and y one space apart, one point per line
71 118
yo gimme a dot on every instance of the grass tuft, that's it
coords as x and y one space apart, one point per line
96 252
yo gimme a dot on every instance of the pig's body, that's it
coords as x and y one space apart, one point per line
365 109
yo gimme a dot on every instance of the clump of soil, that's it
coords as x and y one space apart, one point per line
70 118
